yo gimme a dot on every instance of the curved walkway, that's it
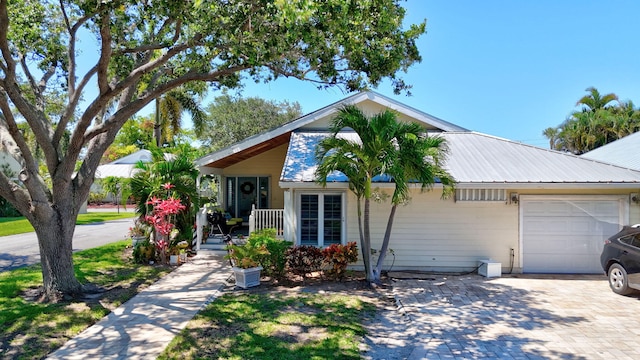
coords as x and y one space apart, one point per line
142 327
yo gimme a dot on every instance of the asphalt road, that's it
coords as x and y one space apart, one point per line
21 250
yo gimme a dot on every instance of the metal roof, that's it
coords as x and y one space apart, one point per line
478 158
623 152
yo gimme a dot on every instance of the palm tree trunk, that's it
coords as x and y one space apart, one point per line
377 272
366 242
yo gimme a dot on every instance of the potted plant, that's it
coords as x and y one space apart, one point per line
245 265
182 250
139 232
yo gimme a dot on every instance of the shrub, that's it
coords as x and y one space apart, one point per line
275 262
7 209
246 256
303 260
144 252
338 257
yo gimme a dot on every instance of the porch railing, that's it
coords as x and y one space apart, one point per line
266 219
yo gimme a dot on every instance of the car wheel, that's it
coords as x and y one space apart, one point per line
618 280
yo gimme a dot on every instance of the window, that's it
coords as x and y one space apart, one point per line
320 219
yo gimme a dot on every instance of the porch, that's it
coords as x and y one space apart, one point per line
259 219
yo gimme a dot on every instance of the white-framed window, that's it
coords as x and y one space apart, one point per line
320 218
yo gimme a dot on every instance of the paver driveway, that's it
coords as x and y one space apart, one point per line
512 317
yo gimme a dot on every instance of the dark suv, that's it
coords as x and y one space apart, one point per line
620 260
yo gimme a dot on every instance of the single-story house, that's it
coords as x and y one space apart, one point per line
531 209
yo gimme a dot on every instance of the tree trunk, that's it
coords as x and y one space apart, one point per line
366 243
377 272
55 239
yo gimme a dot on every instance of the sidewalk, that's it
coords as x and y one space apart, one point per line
142 327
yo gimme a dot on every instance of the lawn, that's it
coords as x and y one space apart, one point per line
30 329
274 326
20 225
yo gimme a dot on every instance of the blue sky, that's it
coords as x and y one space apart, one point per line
506 68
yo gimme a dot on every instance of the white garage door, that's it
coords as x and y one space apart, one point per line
567 235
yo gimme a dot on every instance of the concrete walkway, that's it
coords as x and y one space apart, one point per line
142 327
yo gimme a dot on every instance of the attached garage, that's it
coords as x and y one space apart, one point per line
566 234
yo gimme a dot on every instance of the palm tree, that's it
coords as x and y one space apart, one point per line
399 152
595 101
169 109
552 134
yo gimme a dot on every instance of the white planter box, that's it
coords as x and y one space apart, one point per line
246 278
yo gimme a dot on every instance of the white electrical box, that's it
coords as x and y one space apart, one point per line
490 268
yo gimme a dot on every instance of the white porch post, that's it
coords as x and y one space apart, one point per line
201 220
288 216
252 219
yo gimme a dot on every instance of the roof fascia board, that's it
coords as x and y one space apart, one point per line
549 186
537 186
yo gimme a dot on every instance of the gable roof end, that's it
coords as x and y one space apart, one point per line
280 135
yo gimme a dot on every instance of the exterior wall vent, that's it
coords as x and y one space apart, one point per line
481 195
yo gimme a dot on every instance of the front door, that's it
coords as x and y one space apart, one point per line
244 192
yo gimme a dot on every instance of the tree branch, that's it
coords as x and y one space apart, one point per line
29 174
105 55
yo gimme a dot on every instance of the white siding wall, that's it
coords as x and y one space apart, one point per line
435 234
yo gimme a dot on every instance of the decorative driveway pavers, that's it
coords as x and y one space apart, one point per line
512 317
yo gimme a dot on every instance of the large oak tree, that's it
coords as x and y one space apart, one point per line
86 66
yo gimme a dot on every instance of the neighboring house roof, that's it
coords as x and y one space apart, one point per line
623 152
124 167
318 120
9 163
478 158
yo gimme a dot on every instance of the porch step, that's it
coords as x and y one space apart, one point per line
213 246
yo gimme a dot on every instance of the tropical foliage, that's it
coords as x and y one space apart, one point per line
397 152
600 120
169 110
167 177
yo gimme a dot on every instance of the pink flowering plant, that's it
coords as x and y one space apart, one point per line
162 219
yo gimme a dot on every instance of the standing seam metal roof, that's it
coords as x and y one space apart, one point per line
477 158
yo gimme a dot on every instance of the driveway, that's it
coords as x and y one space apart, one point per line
512 317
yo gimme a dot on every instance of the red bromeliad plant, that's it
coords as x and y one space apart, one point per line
161 218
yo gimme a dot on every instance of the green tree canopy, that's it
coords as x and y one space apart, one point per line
133 52
232 119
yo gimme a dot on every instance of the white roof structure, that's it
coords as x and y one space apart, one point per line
123 167
623 152
474 160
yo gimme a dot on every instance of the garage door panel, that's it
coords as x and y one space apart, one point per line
566 236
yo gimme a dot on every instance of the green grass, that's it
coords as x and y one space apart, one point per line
29 329
274 326
20 225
